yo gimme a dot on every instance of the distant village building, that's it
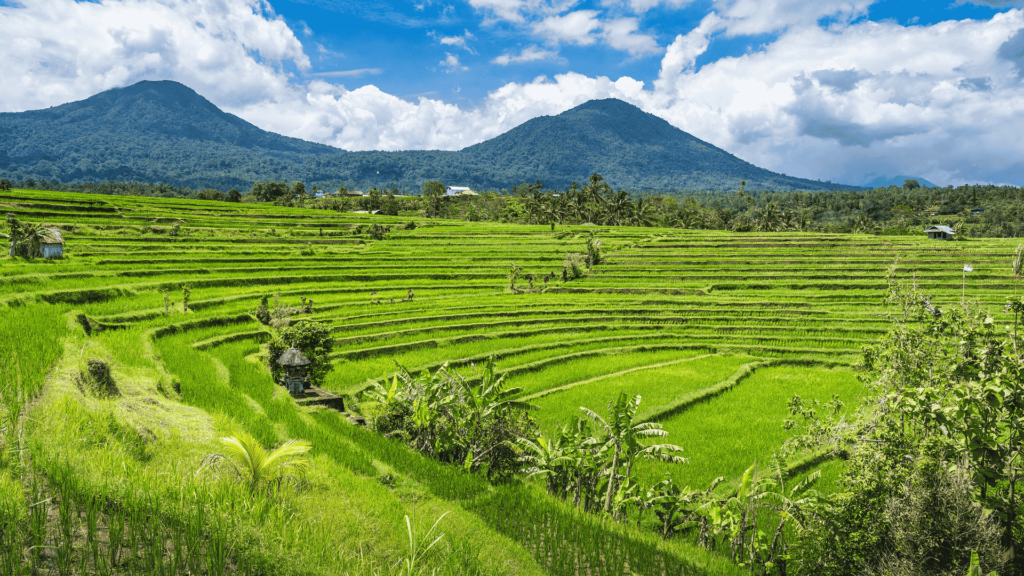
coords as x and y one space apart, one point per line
940 233
51 247
294 378
459 191
353 193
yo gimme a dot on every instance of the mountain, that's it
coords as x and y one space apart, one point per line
166 132
630 148
885 181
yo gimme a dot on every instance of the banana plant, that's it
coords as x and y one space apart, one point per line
547 458
622 438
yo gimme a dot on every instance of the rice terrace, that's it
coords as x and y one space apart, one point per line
441 369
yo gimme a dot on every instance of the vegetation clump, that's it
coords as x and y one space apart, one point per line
98 378
469 422
258 469
934 464
313 339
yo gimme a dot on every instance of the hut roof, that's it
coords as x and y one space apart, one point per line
52 236
945 229
293 357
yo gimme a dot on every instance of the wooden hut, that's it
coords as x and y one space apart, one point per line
940 233
294 378
51 245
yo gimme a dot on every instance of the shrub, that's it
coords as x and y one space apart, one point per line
574 264
313 340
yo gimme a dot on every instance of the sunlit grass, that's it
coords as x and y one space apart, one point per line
726 434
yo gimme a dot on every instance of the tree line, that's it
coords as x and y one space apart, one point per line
974 210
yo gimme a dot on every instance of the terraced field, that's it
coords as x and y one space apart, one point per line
715 330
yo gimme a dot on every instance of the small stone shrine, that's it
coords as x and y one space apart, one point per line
294 377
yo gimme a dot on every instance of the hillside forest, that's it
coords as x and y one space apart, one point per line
972 210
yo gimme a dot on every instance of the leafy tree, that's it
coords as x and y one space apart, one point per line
373 201
210 194
25 239
434 196
622 437
390 204
269 191
233 196
5 184
943 411
911 184
313 339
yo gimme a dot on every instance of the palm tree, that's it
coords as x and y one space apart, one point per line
619 208
771 219
255 467
594 194
644 213
622 437
490 395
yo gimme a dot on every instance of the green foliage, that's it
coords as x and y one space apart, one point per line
389 207
469 422
938 441
574 266
270 191
25 239
256 468
312 339
435 199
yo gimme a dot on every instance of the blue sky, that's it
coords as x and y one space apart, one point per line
399 46
841 90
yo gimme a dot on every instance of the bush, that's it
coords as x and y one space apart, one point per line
313 340
472 424
574 266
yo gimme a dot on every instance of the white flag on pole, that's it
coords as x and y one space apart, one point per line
968 268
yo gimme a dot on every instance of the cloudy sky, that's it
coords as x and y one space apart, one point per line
828 89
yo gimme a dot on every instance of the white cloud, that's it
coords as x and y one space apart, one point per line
61 50
451 63
521 11
584 27
641 6
761 16
572 28
943 101
457 41
622 34
349 73
529 54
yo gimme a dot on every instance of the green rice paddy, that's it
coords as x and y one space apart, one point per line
668 315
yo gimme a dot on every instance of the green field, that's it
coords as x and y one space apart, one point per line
672 315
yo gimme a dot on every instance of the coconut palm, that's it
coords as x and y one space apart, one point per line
771 219
255 467
644 213
622 438
594 195
618 209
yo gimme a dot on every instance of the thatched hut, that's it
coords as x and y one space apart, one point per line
294 377
51 245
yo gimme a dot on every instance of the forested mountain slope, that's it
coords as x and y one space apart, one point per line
166 132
